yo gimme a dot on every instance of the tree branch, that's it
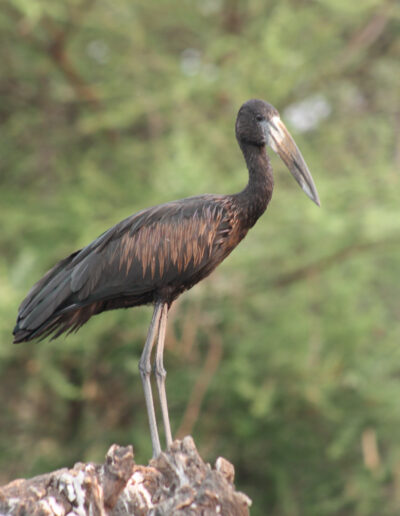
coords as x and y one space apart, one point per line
212 361
59 56
320 265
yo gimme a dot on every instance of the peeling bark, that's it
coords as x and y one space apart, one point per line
178 482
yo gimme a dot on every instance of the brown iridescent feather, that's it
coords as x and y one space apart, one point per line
160 251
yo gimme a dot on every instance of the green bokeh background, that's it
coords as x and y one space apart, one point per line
286 360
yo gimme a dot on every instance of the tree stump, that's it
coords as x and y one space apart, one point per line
178 483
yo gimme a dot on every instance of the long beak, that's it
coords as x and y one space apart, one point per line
281 142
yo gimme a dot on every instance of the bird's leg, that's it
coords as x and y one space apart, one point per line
161 374
145 370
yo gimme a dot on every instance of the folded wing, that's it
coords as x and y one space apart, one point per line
166 246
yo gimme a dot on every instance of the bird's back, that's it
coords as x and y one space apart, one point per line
156 253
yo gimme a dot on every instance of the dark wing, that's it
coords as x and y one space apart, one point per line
168 246
150 250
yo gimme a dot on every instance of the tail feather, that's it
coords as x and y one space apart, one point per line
37 292
68 320
49 306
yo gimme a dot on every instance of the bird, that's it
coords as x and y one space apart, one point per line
156 254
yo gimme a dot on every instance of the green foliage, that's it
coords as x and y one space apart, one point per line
108 107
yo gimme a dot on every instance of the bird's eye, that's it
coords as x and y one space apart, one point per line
259 118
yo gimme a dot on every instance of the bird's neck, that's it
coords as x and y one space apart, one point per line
254 199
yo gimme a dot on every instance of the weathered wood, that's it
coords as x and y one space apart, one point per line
178 482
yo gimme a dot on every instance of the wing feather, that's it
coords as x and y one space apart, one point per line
169 244
153 247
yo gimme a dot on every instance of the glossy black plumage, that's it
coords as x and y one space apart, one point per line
157 253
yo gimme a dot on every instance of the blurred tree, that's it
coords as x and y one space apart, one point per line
285 360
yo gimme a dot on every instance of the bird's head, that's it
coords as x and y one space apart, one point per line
259 124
